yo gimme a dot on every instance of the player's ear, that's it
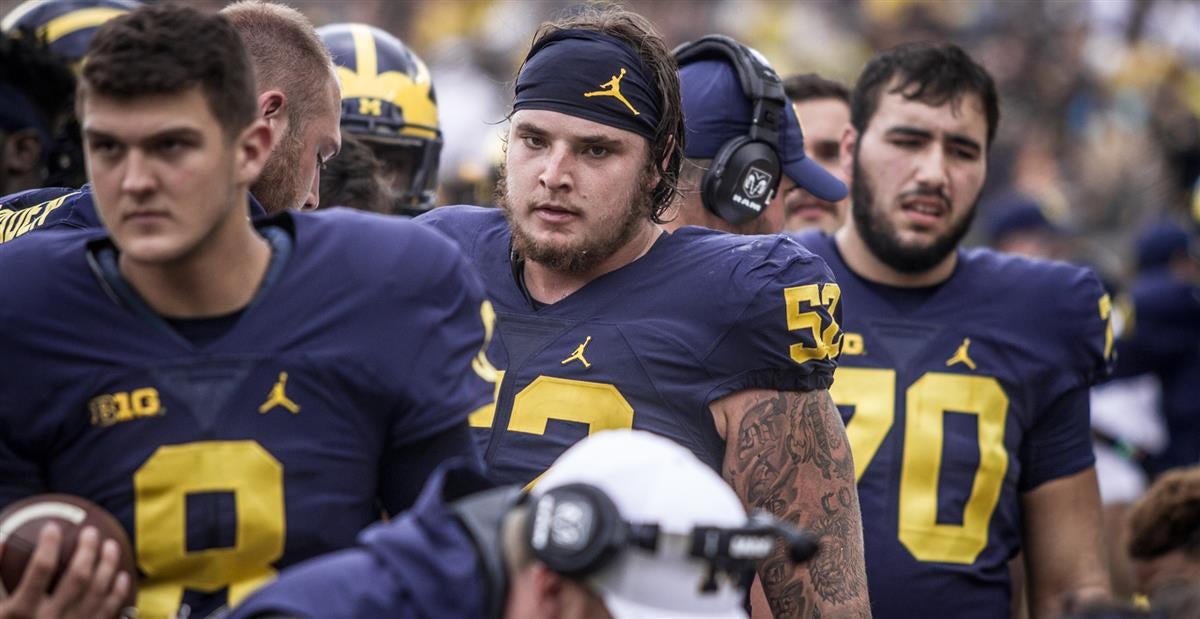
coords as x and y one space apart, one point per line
846 150
272 108
251 149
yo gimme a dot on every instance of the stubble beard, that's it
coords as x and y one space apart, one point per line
276 188
881 237
587 253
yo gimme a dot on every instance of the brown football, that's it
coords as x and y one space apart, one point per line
21 523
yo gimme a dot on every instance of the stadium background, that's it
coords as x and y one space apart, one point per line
1100 99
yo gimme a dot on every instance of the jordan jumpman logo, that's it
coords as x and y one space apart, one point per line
578 354
612 88
279 398
961 355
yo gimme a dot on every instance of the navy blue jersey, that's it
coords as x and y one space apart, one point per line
1162 337
650 345
54 208
278 440
422 564
957 399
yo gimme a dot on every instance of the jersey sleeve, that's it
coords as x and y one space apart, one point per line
1086 330
786 335
1059 443
26 211
459 223
446 374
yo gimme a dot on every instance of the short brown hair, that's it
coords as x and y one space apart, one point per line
807 86
162 49
927 72
640 35
1167 517
287 54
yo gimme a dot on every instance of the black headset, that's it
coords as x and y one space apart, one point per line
745 171
576 529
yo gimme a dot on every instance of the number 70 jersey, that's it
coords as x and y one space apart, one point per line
957 399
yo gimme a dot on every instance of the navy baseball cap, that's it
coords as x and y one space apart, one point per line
1012 213
715 110
1158 242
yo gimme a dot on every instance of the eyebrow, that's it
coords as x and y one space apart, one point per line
173 132
587 140
526 127
954 138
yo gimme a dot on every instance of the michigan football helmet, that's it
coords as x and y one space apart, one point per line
388 101
66 25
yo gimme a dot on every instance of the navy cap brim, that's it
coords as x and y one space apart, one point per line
813 178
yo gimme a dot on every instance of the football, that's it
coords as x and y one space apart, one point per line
21 523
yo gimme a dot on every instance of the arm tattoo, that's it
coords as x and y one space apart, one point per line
790 456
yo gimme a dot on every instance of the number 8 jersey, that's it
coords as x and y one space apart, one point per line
273 442
958 398
650 345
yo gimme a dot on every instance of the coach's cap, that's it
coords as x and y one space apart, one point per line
1016 213
1158 243
715 110
653 480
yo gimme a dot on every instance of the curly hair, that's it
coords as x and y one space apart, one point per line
1167 517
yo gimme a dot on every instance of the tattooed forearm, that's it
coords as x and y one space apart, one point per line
789 455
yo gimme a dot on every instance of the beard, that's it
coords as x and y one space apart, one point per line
882 238
277 185
583 254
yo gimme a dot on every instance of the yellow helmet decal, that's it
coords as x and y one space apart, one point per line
74 21
411 95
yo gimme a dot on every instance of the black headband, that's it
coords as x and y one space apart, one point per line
592 76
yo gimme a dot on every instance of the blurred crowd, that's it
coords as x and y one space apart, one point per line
1100 100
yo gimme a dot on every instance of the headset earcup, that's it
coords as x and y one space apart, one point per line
742 180
574 529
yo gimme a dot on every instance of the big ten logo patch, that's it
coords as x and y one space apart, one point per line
112 408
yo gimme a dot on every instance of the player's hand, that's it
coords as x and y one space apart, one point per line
90 585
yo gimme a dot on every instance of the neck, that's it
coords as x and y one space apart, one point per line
690 211
551 286
860 259
220 276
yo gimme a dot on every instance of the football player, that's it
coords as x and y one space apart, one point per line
964 374
737 169
823 107
66 27
1162 337
388 102
36 89
241 396
298 97
722 343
